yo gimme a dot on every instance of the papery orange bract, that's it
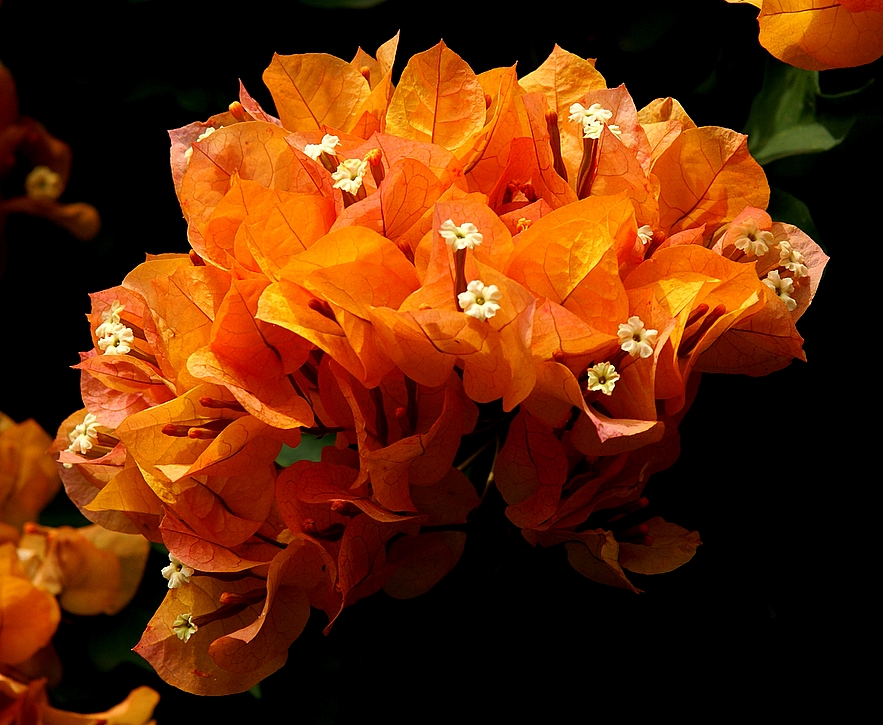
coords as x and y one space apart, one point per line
707 176
91 569
530 471
673 546
817 35
564 79
253 359
315 90
29 615
28 478
28 703
570 259
233 150
438 99
188 665
183 301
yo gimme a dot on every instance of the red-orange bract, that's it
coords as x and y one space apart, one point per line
524 272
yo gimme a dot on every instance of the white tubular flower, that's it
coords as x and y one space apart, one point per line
479 301
348 176
783 287
751 240
110 318
177 573
593 119
118 339
465 236
636 340
615 130
183 626
43 183
645 234
83 436
791 259
325 146
602 378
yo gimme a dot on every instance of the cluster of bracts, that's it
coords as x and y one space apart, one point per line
459 269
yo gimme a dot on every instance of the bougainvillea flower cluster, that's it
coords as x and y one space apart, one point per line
458 274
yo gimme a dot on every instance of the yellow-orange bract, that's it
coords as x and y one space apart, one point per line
821 34
448 303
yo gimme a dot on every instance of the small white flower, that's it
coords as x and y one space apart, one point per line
348 176
183 626
110 317
791 259
83 436
43 183
465 236
592 114
636 340
783 287
645 234
751 240
177 573
615 130
602 377
479 301
593 119
325 146
118 339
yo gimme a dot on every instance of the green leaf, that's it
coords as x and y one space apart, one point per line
310 449
785 119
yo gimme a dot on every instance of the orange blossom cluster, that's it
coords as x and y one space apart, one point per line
455 269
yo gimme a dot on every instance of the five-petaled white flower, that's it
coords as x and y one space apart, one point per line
783 287
465 236
602 378
325 146
635 339
791 259
480 301
118 339
177 572
183 626
348 176
751 240
83 436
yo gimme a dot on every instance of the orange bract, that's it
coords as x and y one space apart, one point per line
821 34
